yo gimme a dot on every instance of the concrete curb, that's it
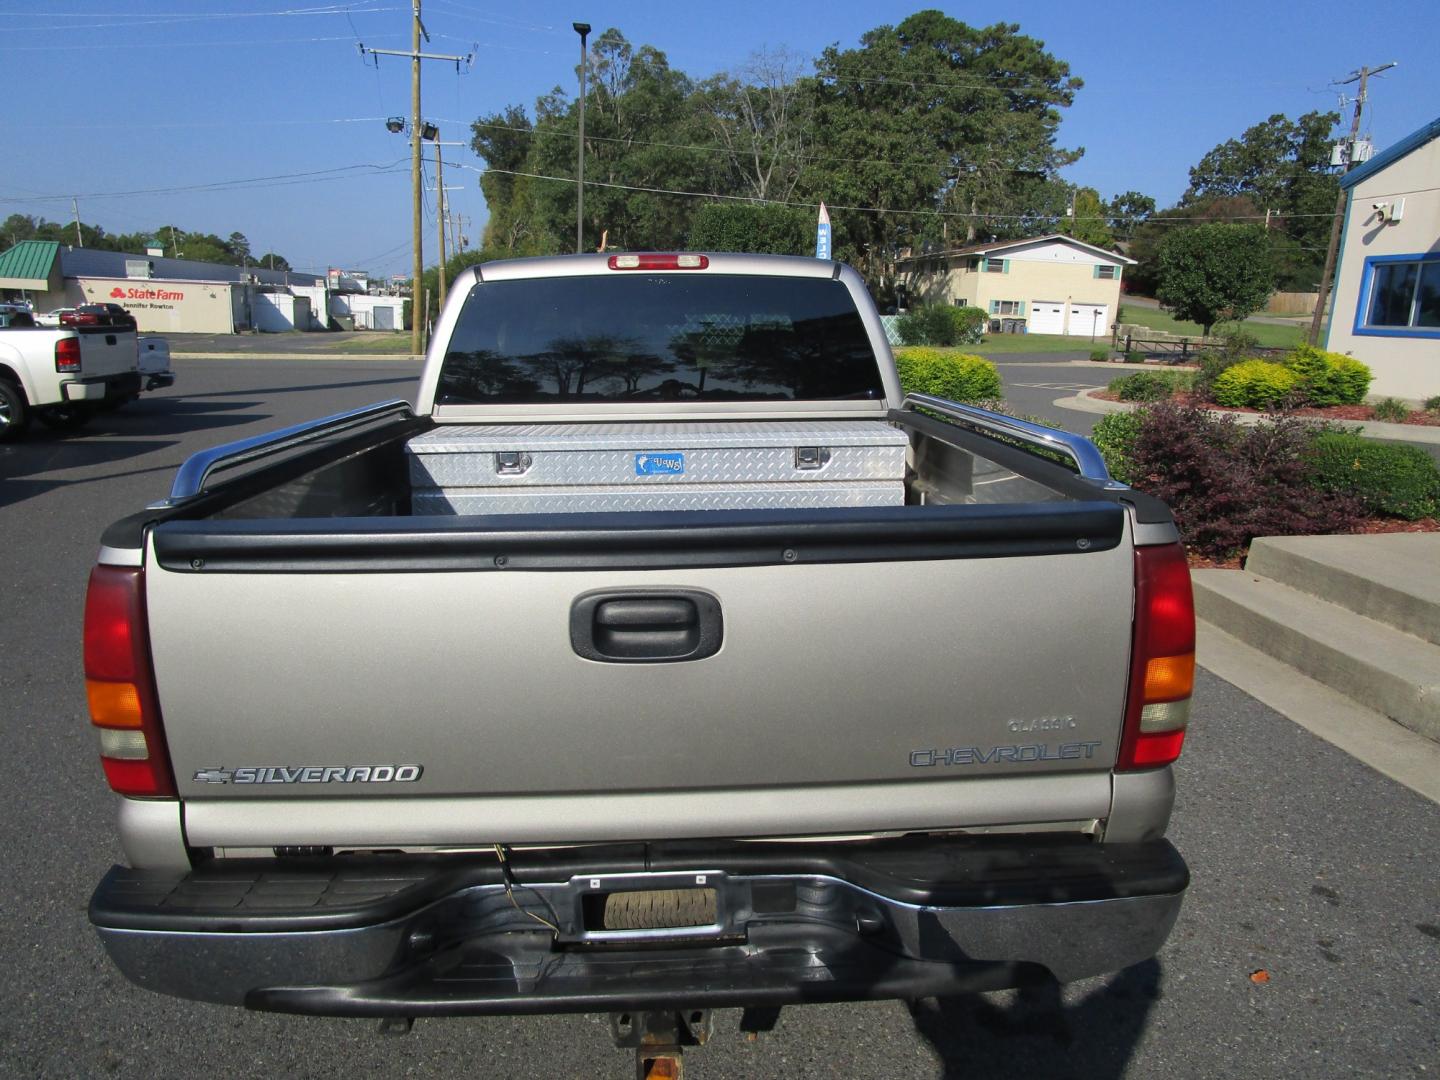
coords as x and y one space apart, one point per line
1384 745
1086 402
293 356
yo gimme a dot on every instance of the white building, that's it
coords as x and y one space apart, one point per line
1386 309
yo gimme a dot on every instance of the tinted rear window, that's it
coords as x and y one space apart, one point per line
658 337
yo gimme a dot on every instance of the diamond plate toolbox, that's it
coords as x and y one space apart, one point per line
548 468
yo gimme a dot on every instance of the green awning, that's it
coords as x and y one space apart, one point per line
30 264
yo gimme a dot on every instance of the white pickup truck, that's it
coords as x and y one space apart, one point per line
60 376
662 654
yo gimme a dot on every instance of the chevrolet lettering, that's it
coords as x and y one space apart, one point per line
996 755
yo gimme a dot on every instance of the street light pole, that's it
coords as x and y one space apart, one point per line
582 29
417 317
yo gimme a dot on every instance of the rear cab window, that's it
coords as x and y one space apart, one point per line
659 337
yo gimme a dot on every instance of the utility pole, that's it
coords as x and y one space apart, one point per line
1362 77
74 202
582 29
417 314
417 317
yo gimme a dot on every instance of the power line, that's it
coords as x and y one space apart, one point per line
548 133
840 206
225 185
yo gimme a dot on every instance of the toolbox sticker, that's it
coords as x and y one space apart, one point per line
659 464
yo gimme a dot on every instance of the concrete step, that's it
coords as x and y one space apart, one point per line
1371 663
1394 579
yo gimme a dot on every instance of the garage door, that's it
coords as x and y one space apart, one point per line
1047 317
1087 320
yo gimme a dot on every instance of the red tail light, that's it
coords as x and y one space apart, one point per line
67 356
659 262
1162 666
120 684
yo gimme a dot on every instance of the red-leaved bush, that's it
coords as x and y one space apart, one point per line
1228 483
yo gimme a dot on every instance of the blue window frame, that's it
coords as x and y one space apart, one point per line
1399 296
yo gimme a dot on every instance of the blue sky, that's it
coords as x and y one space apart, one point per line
108 101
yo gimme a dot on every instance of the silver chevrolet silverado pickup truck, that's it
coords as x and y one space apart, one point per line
557 689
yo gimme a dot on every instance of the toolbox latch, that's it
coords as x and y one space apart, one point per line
511 463
811 457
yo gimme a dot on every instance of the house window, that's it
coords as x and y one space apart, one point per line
977 265
1400 296
1109 273
1009 307
995 266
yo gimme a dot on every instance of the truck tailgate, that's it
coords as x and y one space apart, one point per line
283 680
105 350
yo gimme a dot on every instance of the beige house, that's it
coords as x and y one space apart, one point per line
1045 285
1386 311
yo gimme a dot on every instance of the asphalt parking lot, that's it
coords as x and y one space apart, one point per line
1307 865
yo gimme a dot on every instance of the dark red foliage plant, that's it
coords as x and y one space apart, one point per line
1228 483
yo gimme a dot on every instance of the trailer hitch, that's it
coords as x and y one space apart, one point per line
659 1039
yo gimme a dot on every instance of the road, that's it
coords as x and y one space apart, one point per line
1307 864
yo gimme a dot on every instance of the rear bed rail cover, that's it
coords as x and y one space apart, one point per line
638 540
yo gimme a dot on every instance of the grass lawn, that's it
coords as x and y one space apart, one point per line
1268 334
380 343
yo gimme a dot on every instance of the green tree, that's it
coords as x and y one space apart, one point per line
1215 273
1283 166
933 114
1126 213
271 261
1144 276
763 120
758 228
239 247
1088 223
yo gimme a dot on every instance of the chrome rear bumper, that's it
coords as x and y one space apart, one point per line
900 919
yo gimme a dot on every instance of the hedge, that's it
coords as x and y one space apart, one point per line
957 376
1256 384
1150 385
942 324
1328 378
1388 478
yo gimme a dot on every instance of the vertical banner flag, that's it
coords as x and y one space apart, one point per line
822 234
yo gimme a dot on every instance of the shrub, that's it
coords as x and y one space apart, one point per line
1150 385
1387 478
1134 356
1099 354
942 324
1392 410
1432 404
957 376
1328 378
1257 384
1114 436
1228 484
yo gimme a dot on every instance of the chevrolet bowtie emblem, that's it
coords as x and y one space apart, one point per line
213 776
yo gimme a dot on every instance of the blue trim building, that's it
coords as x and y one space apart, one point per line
1386 308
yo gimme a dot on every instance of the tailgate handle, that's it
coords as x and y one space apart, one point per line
620 626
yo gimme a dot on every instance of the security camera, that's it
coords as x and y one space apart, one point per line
1381 206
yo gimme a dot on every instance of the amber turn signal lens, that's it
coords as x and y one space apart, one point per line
113 704
1168 678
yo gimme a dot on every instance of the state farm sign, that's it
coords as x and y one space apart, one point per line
120 294
178 307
